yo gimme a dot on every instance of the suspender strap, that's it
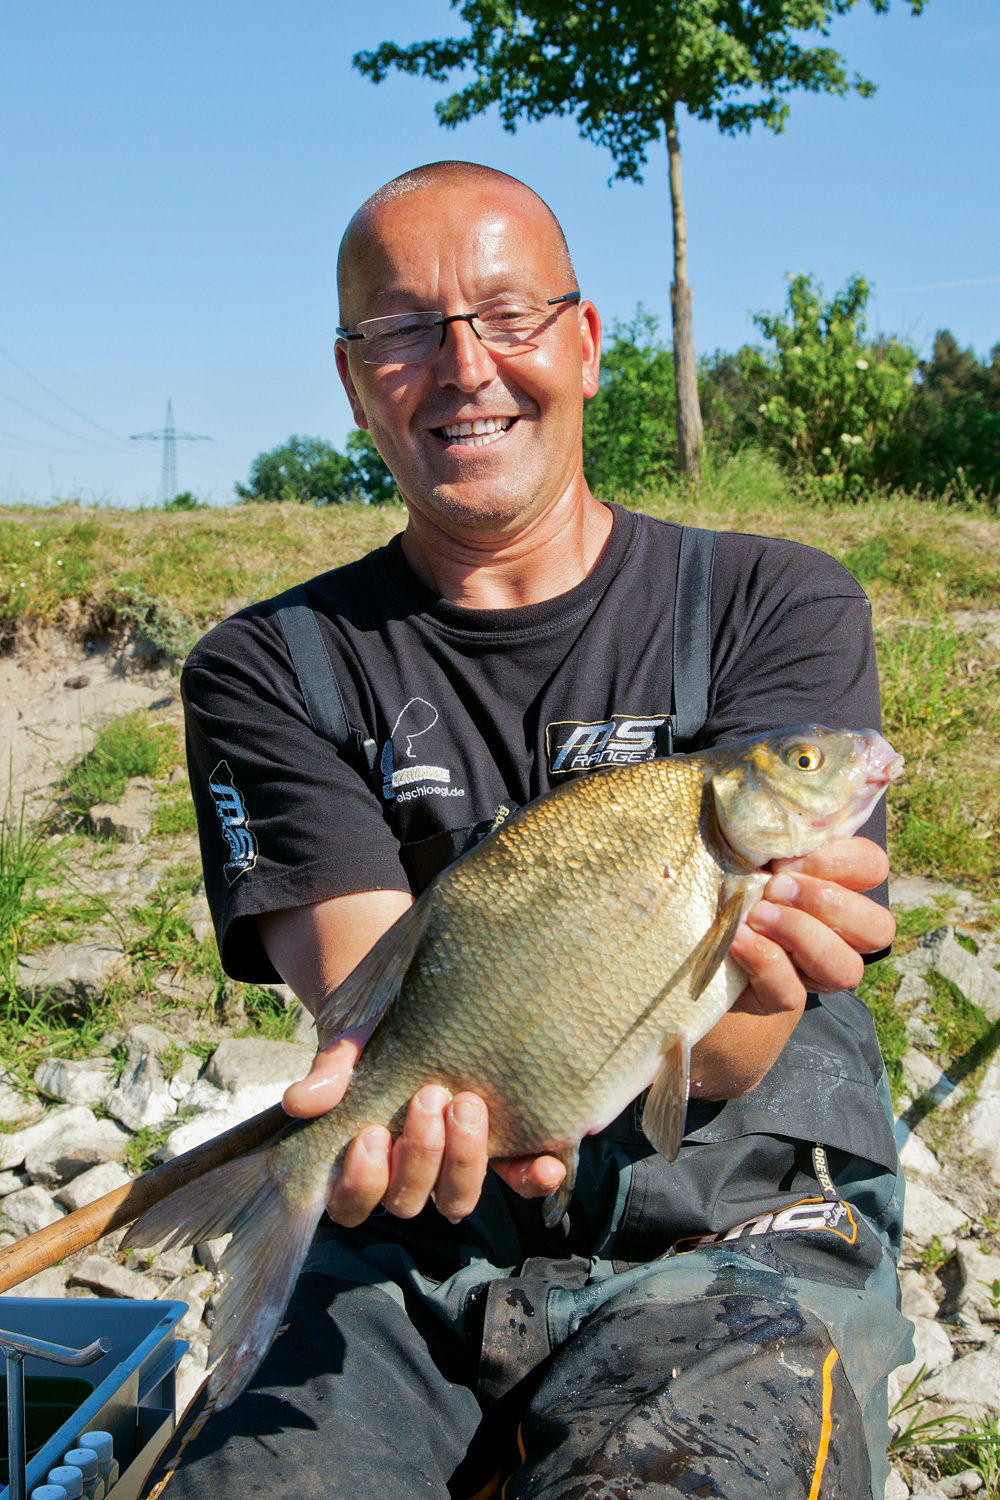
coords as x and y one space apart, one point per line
693 631
317 680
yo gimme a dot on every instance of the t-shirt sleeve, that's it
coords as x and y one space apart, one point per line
283 818
792 644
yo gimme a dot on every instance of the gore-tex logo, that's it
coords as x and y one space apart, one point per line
621 740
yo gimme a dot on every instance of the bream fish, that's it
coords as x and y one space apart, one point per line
568 962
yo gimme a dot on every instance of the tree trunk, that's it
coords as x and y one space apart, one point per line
685 366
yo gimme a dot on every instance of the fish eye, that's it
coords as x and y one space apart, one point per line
804 757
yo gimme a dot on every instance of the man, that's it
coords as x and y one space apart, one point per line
454 1346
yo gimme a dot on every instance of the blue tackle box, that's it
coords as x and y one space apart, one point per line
126 1387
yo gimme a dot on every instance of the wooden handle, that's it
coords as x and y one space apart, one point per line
77 1230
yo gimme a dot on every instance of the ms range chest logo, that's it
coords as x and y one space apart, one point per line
234 823
621 740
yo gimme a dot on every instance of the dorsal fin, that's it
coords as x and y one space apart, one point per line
372 986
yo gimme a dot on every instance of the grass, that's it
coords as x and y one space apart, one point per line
133 745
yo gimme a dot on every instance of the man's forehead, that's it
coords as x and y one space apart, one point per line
398 252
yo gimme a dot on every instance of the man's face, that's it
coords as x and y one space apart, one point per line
446 248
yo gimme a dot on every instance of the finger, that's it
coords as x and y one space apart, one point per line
775 985
824 960
364 1177
861 922
531 1176
859 864
326 1082
460 1181
418 1153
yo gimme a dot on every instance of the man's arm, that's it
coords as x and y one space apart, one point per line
807 934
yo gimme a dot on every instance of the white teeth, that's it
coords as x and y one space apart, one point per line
478 433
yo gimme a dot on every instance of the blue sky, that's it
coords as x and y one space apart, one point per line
175 181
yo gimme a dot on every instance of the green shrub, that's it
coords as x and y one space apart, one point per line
629 438
127 747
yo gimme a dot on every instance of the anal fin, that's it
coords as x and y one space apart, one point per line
557 1203
666 1104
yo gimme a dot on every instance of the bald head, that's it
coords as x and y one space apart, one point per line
478 185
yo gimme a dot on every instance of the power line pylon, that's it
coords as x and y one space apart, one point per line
169 437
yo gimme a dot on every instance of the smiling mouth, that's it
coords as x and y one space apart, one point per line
475 434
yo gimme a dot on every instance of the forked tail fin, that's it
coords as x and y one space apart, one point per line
271 1237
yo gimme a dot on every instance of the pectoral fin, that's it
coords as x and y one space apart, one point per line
557 1203
666 1103
370 988
706 960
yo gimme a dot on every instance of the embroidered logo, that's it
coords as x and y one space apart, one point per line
804 1217
234 821
407 782
621 740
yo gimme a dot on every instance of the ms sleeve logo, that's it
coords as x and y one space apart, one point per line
234 823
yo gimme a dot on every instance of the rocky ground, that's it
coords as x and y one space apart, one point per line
159 1051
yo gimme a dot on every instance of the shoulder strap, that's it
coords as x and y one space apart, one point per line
317 680
692 633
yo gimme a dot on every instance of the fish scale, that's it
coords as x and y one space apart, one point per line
565 964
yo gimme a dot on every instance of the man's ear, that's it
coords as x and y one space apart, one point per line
344 371
590 336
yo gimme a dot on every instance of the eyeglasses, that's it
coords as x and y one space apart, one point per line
503 323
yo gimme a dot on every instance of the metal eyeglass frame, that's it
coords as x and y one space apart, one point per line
443 322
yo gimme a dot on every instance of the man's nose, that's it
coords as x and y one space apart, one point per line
463 358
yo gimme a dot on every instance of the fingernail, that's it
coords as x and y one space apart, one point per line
468 1113
432 1099
782 888
763 916
375 1143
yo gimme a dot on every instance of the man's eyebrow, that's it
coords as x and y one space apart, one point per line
404 299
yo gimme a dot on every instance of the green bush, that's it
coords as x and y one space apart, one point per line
950 438
629 438
825 400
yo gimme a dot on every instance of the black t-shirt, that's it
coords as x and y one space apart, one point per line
474 711
478 710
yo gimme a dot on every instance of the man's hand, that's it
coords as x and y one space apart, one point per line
441 1152
807 934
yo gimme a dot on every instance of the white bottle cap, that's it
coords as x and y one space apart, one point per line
102 1444
49 1492
84 1459
71 1479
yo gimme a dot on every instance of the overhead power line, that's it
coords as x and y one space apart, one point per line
56 397
78 437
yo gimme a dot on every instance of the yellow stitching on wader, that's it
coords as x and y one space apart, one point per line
520 1449
825 1426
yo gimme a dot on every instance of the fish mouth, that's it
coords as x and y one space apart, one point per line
479 432
882 763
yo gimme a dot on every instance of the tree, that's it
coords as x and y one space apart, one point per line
623 70
950 440
627 436
312 471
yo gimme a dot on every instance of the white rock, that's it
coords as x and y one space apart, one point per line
979 1272
210 1252
92 1184
108 1279
183 1081
48 1283
252 1062
305 1028
173 1263
972 1381
199 917
83 1082
914 1156
15 1107
12 1182
982 1123
193 1290
972 976
141 1096
926 1214
75 1150
925 1080
73 974
896 1487
933 1348
917 1299
205 1126
129 820
24 1212
969 1482
190 1376
204 1096
910 891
